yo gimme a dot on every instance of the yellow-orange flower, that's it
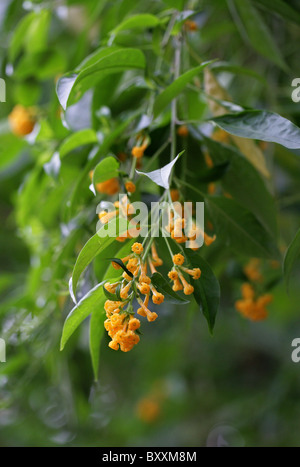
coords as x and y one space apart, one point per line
130 186
21 120
137 248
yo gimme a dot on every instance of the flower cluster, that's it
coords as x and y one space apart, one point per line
176 226
176 275
121 324
251 306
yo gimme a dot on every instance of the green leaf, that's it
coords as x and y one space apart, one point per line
80 138
120 263
206 289
291 256
163 286
244 183
280 7
262 125
88 304
17 40
141 21
238 228
41 65
71 87
30 34
255 31
94 247
176 88
96 333
106 169
161 176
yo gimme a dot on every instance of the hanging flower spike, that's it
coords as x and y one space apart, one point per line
130 186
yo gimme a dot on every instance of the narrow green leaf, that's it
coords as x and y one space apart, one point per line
120 263
96 334
140 21
262 125
176 88
17 40
206 289
106 169
238 228
163 286
80 138
254 29
95 246
291 256
88 304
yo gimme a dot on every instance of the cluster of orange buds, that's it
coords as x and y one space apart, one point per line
130 287
176 275
252 307
252 270
21 120
176 227
120 325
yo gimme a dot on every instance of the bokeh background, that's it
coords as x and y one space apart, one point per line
180 385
